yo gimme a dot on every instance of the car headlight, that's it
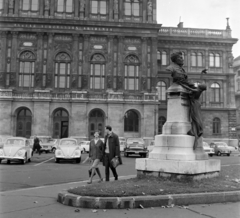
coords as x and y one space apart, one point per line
77 153
58 153
1 152
20 153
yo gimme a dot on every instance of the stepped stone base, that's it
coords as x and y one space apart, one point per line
196 169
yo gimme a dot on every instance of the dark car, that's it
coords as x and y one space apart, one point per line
135 146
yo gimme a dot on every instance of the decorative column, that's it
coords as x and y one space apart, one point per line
74 68
121 14
39 62
52 8
14 53
16 8
109 68
87 6
82 6
46 8
85 72
110 10
50 60
76 9
154 59
3 50
10 7
116 11
154 13
120 81
144 64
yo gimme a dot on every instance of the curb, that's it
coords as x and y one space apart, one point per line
131 202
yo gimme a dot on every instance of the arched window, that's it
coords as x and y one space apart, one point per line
62 71
161 87
132 8
216 126
199 59
214 60
60 123
27 70
193 59
99 7
97 74
131 121
131 79
161 122
24 123
215 92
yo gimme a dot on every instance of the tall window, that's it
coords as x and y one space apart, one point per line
27 70
97 75
30 7
199 59
99 7
131 121
161 122
162 58
132 7
161 87
216 126
214 60
215 92
193 59
62 71
64 7
131 79
1 6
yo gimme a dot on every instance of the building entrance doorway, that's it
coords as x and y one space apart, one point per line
24 123
60 124
96 123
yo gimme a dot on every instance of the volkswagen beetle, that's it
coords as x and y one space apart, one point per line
16 149
68 149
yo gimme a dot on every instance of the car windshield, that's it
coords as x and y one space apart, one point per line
135 141
45 140
15 142
221 146
84 143
68 142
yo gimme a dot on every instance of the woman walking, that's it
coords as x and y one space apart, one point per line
95 155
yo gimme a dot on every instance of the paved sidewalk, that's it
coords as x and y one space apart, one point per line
41 202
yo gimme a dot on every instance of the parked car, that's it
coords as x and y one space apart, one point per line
221 148
79 138
151 145
135 146
16 149
47 143
85 146
68 149
122 146
208 149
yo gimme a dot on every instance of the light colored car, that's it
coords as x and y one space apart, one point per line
221 148
48 144
85 146
79 138
208 149
122 146
3 138
68 149
225 144
135 146
16 149
151 146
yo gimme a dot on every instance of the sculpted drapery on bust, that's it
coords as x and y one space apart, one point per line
180 77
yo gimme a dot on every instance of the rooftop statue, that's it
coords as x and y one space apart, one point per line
180 77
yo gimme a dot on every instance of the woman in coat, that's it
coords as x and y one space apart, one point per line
95 155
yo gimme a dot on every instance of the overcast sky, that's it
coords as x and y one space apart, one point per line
206 14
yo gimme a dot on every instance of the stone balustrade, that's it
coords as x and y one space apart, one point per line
206 33
78 96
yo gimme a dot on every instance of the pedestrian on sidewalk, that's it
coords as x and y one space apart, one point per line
36 145
95 156
111 150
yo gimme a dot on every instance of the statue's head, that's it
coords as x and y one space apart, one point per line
202 87
177 57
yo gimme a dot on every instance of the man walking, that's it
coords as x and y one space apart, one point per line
111 150
36 145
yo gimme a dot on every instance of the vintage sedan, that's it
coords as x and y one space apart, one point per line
68 149
16 149
221 149
208 149
47 143
85 145
135 146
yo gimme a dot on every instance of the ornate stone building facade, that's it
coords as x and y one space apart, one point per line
69 67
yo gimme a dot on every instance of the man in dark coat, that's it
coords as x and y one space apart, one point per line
36 145
111 149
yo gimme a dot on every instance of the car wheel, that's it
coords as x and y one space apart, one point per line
78 160
125 154
210 155
8 161
57 160
53 150
144 155
29 160
24 160
219 153
46 152
228 154
0 160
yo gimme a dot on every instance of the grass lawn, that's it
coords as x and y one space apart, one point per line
229 180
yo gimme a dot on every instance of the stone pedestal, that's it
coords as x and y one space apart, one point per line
173 154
